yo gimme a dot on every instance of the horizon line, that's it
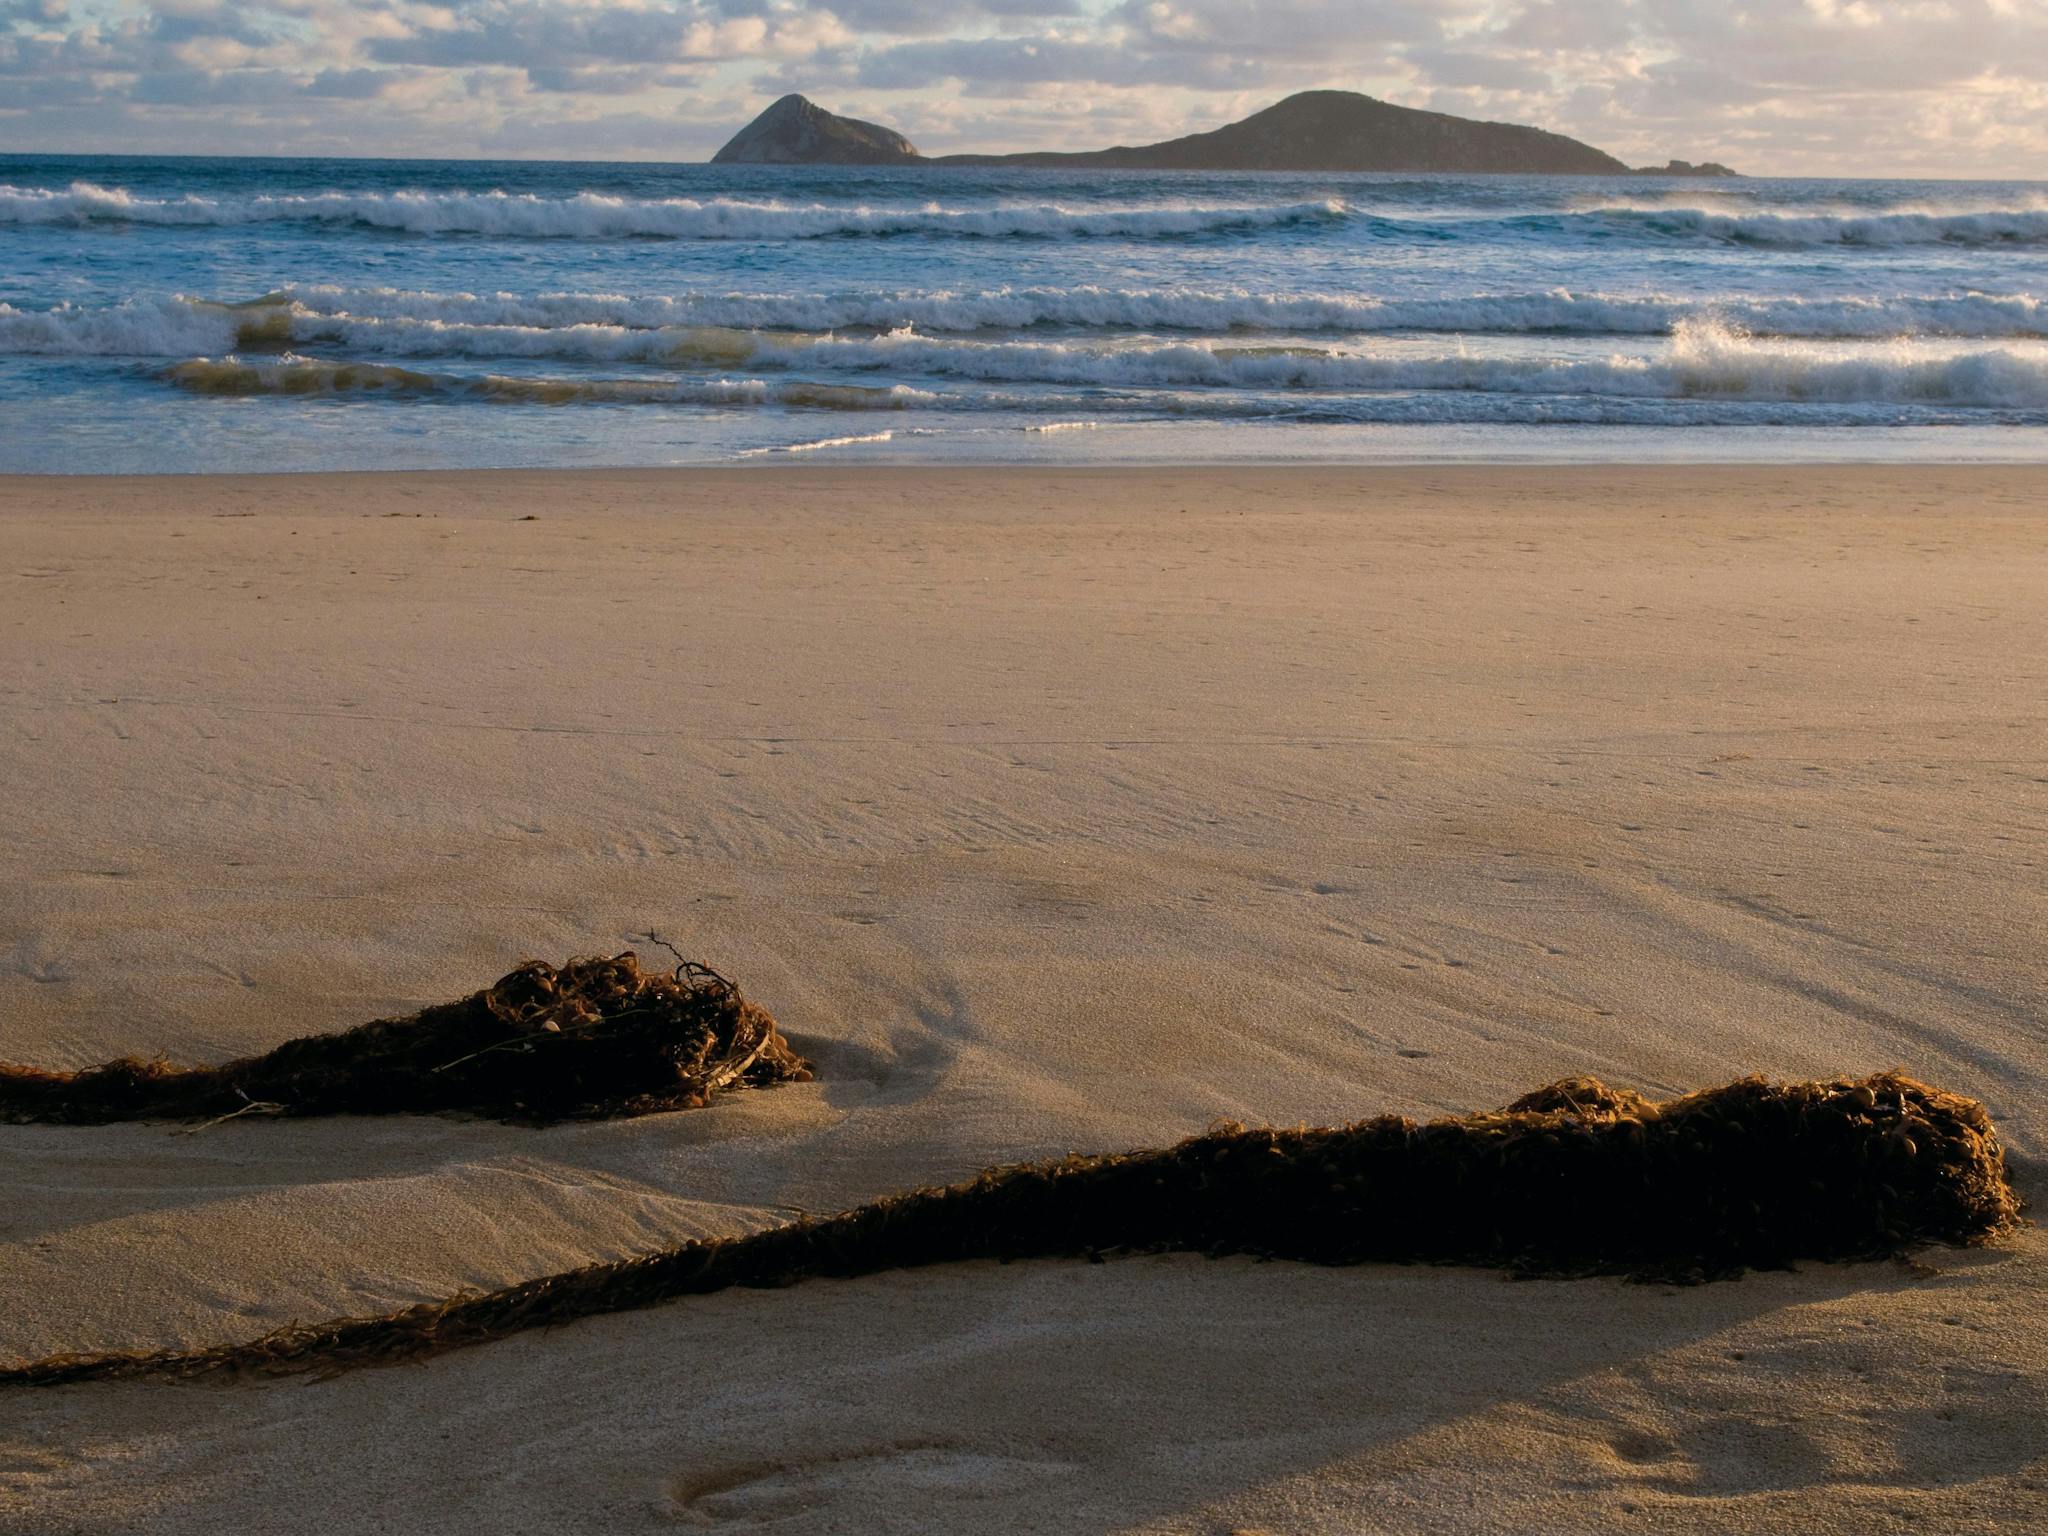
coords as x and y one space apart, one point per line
937 163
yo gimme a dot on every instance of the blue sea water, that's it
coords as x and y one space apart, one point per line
277 314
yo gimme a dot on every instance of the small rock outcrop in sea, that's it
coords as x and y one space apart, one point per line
797 131
1687 168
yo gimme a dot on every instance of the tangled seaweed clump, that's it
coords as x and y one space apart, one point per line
1574 1179
591 1039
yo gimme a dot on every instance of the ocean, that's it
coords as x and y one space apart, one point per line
175 314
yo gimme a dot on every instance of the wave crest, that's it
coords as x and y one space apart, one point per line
1701 362
600 215
1981 227
596 215
597 326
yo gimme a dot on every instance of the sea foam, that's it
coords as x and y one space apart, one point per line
1701 361
598 325
597 215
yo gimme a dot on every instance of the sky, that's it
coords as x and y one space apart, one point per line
1953 88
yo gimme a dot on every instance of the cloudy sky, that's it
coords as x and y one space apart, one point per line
1928 87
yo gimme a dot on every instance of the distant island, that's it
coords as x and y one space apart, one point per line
797 131
1310 131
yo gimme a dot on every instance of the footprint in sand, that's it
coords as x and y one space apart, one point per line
758 1493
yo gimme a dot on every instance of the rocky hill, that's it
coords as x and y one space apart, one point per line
1312 131
1344 131
796 131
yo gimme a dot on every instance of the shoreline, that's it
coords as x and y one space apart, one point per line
762 467
1061 448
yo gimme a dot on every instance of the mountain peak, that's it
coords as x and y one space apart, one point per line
1346 131
797 131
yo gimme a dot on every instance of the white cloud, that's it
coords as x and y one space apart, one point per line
1825 86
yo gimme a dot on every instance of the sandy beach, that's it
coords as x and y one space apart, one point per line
1047 811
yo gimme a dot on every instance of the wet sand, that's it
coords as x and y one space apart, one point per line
1048 811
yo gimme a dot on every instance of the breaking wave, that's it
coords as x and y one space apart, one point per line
420 324
599 216
594 215
1700 362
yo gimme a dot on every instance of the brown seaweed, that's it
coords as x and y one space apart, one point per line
591 1039
1575 1179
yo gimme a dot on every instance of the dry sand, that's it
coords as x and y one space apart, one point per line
1048 811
